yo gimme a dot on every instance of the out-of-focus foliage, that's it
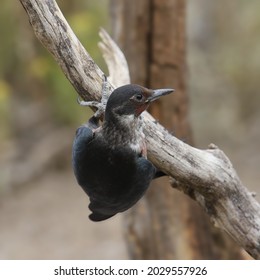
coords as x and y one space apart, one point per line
7 61
29 73
5 92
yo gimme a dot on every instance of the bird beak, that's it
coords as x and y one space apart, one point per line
157 93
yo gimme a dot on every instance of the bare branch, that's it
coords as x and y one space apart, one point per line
115 60
54 32
205 175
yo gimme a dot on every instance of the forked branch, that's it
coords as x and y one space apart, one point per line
206 175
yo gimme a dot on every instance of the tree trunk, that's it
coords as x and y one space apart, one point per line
165 224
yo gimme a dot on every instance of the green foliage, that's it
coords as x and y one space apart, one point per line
28 70
86 25
4 108
8 37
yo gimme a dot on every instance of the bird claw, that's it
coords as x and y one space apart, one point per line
88 103
100 106
105 91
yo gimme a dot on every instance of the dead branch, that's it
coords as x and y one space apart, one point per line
205 175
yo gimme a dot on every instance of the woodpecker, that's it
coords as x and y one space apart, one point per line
110 160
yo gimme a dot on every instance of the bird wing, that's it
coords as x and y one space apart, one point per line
113 179
104 207
84 135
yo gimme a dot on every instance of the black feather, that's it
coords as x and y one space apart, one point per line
114 179
108 161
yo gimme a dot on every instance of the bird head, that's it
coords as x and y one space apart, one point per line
131 100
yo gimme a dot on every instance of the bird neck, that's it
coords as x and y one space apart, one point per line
125 131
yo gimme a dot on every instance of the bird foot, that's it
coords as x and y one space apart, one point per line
100 106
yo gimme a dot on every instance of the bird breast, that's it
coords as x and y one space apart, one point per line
126 132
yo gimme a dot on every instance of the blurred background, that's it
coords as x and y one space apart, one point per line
43 213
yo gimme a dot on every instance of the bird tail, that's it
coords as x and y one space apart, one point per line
98 217
99 211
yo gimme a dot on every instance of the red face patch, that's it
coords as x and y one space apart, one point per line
140 108
140 101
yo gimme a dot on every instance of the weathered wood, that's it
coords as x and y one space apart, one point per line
175 227
54 32
205 175
115 60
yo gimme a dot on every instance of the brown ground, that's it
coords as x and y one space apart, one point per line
49 220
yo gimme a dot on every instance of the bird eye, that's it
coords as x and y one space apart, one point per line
139 97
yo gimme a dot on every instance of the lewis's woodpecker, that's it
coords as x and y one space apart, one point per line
109 161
